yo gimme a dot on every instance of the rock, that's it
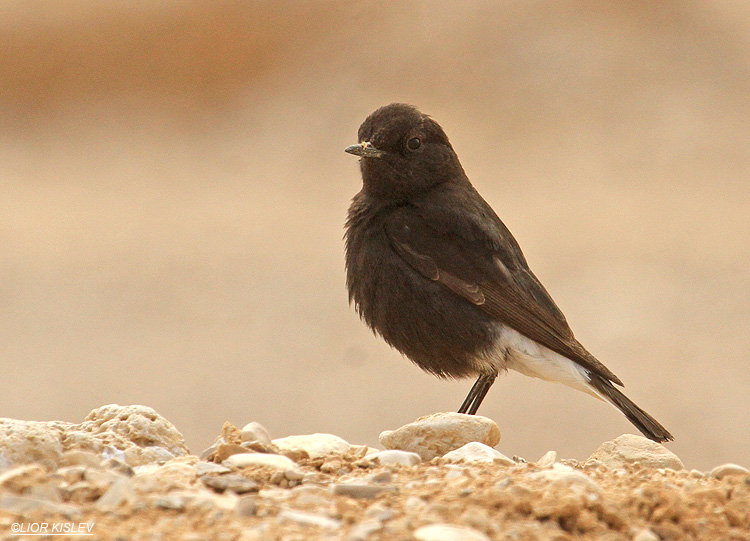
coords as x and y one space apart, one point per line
243 460
393 457
315 445
358 489
22 478
309 519
80 458
363 531
178 502
477 452
728 469
629 449
645 535
548 459
22 505
234 482
26 442
560 473
225 450
434 435
255 432
136 434
120 491
246 507
132 434
448 532
202 468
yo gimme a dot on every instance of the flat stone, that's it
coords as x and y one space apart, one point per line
246 506
394 457
434 435
358 489
309 519
477 452
202 468
315 445
276 462
629 449
725 470
232 481
448 532
255 432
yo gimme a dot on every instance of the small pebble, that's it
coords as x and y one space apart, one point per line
548 459
246 506
202 468
645 535
395 456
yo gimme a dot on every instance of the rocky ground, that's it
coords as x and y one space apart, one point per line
125 473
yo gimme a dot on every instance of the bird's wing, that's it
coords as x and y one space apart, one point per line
475 256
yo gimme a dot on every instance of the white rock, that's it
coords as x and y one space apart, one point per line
548 459
434 435
276 462
363 530
560 473
394 456
478 452
629 449
309 519
645 535
316 445
255 432
728 469
448 532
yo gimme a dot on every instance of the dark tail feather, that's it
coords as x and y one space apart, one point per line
649 426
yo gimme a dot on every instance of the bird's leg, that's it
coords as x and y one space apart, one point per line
477 393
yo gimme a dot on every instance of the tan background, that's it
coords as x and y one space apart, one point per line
174 188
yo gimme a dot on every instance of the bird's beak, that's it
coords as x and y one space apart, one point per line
364 150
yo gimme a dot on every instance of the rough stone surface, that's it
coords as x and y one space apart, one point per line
434 435
477 452
133 435
315 445
630 449
448 532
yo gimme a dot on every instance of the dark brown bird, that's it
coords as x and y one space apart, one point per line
433 270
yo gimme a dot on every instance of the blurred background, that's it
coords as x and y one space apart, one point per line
174 188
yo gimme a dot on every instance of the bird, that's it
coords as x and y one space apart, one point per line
432 269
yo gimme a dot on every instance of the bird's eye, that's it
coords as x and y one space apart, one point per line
414 143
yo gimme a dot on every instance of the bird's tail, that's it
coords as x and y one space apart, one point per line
649 426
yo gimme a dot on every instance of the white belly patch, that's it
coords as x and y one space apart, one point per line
516 352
